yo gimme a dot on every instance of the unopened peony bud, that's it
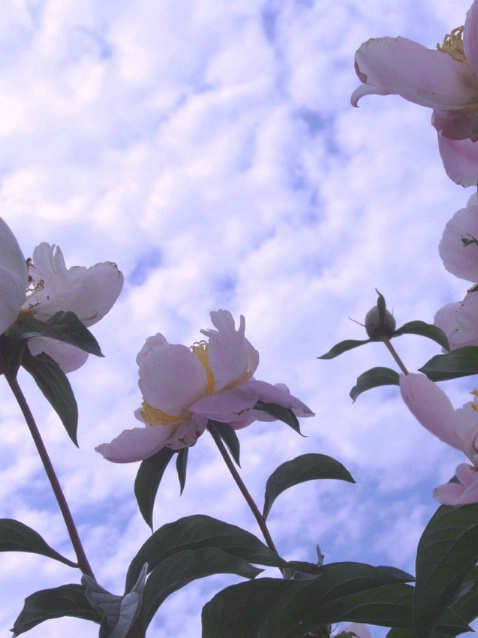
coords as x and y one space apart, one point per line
377 329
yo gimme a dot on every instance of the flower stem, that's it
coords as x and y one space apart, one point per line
83 563
394 354
240 483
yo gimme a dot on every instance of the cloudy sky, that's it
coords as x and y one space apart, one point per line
210 150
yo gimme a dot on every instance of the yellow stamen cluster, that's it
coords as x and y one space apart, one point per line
474 406
155 416
453 45
201 350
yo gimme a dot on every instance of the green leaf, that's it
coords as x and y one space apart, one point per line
447 551
47 604
62 326
307 467
342 347
230 438
147 482
181 467
275 608
118 612
238 610
177 571
278 412
424 330
17 537
462 362
374 378
200 532
56 388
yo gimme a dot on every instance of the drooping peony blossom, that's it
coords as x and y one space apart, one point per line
459 428
445 80
13 277
184 387
45 286
88 292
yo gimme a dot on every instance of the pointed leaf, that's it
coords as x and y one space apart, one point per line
447 551
118 612
47 604
147 482
465 603
181 467
278 412
17 537
342 347
462 362
56 388
307 467
177 571
62 326
230 438
374 378
200 532
381 306
424 330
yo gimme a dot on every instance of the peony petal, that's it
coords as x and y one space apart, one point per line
135 445
457 125
425 76
13 277
170 376
432 408
231 357
68 357
141 443
227 406
459 321
470 37
461 260
279 394
460 160
89 293
463 493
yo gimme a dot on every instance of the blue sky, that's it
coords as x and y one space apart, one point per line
210 149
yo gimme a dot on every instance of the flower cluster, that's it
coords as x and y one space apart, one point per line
184 387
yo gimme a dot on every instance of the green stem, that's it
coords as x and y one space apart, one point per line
394 354
83 563
245 492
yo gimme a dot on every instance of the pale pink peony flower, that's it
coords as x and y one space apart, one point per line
184 387
45 286
459 428
88 292
445 80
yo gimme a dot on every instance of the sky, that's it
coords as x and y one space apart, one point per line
210 150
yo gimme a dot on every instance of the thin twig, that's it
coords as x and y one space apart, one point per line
236 476
83 563
394 354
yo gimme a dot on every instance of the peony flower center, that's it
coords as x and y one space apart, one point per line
155 416
474 405
453 45
201 350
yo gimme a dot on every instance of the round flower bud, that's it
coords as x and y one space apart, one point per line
376 329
